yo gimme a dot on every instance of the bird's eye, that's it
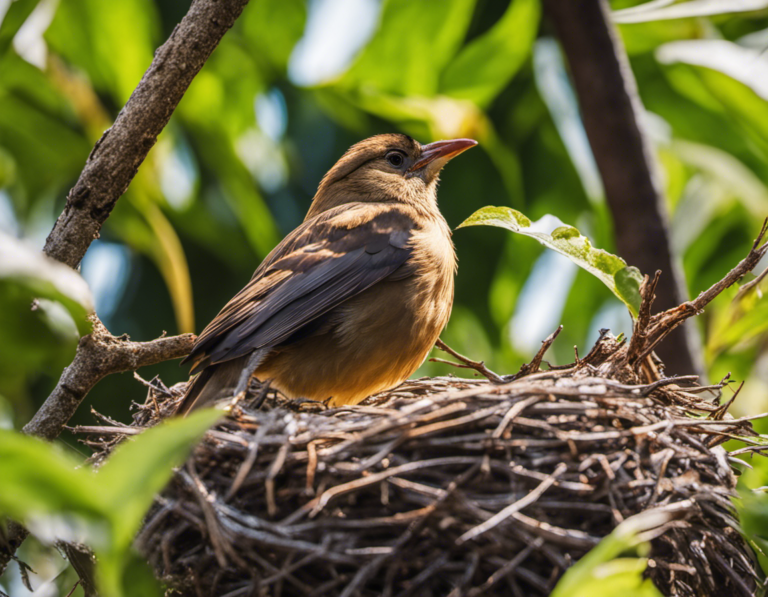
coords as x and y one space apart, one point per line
395 158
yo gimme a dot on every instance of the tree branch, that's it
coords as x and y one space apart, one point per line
116 157
99 354
110 168
611 111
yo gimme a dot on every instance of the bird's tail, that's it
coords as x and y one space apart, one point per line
211 384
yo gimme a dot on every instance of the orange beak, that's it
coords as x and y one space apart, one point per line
441 151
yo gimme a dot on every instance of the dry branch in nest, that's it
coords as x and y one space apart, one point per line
448 486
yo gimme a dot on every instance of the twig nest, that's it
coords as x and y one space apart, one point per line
454 487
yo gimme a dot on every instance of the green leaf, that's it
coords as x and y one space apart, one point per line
624 281
139 468
437 117
239 189
743 320
33 273
727 171
602 573
752 506
43 487
641 38
413 44
143 226
138 579
36 129
485 66
651 11
628 280
14 18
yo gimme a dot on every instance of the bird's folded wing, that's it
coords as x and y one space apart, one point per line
321 264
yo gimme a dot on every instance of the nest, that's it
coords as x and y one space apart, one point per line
449 486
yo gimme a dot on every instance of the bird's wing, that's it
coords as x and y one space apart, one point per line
321 264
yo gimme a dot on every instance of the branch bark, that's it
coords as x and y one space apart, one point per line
99 354
611 111
110 168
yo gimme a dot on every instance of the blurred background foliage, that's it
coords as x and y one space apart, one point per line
294 84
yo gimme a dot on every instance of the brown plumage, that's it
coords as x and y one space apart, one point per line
351 302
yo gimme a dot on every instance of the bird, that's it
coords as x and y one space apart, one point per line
351 302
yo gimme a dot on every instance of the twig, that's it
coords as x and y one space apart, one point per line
661 324
640 329
467 363
750 285
535 363
82 560
501 516
506 568
720 412
103 430
74 588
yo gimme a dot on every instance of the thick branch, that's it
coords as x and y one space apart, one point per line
117 156
611 111
99 354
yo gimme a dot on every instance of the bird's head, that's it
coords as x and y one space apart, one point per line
387 168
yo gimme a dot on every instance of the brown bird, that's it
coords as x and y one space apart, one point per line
351 302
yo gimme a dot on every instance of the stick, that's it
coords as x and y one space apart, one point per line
466 363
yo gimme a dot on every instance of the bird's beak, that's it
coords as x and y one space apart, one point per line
435 155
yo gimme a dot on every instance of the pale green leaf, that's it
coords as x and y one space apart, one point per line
661 10
602 573
744 64
42 277
613 271
14 18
